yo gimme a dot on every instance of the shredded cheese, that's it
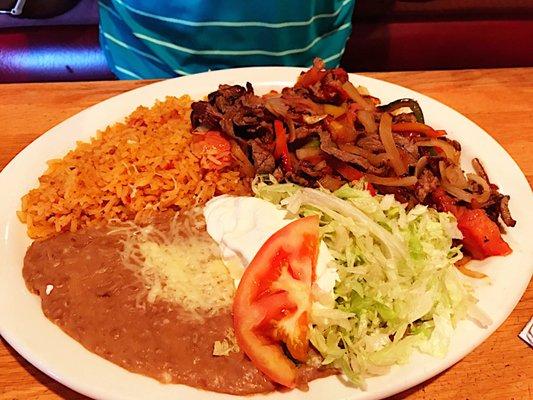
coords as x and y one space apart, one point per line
187 272
182 265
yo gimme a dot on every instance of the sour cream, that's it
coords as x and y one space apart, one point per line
241 225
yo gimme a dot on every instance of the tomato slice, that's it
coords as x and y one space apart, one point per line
273 301
213 149
481 236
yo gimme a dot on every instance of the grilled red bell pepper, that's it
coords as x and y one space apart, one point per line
310 77
350 173
417 127
281 150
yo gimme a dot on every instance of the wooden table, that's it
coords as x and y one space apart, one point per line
499 100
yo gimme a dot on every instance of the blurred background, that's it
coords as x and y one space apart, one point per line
388 35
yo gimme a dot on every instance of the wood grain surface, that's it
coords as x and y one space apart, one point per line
499 100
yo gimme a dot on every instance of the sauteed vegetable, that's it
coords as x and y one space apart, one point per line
325 132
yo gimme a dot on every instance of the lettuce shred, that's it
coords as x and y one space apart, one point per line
398 289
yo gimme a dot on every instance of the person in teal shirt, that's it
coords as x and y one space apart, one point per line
145 39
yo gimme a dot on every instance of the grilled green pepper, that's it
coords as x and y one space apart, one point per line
409 103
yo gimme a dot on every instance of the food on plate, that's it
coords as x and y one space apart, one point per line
162 319
481 235
244 244
273 301
151 162
398 289
324 132
240 225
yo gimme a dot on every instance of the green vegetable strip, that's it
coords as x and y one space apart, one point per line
410 103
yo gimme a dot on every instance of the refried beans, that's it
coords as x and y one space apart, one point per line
87 291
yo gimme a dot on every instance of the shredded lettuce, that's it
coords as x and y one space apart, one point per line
398 289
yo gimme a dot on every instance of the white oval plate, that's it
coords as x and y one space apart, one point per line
43 344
